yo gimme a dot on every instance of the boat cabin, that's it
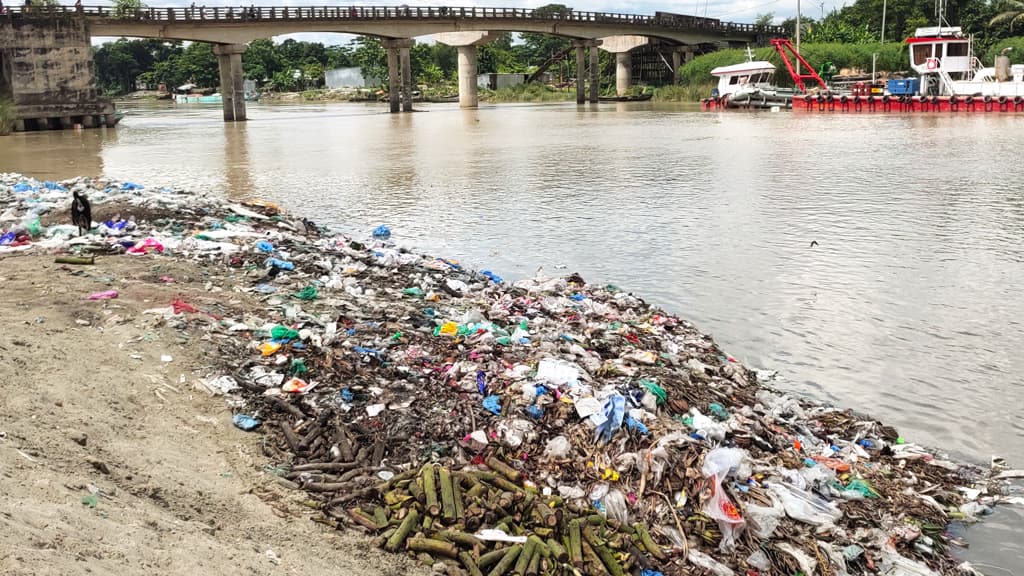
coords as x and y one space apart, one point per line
753 74
941 48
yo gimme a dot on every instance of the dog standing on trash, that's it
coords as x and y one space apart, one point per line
81 213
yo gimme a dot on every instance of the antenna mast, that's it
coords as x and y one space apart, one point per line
940 13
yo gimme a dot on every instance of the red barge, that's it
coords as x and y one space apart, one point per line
951 79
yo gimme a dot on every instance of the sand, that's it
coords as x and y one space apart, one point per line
88 407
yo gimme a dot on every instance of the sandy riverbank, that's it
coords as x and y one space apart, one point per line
87 404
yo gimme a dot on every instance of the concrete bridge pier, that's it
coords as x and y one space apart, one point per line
621 46
466 43
232 80
581 70
399 73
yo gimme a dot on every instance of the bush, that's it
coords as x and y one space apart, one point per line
684 93
532 92
6 116
1016 55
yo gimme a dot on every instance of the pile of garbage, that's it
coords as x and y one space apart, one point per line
543 426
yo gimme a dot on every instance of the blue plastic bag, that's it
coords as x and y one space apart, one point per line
264 246
245 422
636 425
614 410
283 265
382 232
492 276
493 404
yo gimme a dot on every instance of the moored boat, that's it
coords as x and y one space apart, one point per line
748 85
951 78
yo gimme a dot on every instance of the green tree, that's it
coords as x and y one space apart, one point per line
127 8
370 56
261 61
537 48
764 20
1011 13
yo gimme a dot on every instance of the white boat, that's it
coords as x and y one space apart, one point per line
945 59
750 85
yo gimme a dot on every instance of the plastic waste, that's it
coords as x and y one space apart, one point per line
264 246
491 276
307 293
245 422
493 404
280 264
804 506
610 418
615 507
764 520
105 295
382 232
759 560
702 560
146 246
34 226
557 372
557 447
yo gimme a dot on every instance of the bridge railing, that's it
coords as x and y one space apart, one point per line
222 14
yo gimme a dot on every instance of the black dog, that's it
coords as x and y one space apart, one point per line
81 213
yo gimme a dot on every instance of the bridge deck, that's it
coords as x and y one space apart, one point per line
263 14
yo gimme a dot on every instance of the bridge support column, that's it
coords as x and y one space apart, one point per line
467 77
406 62
399 73
581 95
621 46
466 43
581 70
232 80
623 72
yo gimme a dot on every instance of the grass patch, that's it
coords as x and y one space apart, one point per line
693 92
533 92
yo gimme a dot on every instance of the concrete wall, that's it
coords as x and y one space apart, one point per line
348 78
499 81
51 68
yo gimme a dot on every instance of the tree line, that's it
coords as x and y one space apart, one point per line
292 65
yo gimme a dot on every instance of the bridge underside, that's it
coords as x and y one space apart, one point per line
244 32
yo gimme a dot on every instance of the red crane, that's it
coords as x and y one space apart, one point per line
782 46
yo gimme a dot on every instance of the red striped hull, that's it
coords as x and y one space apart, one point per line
893 104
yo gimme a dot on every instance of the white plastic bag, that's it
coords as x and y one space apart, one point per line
765 519
721 508
702 560
558 447
720 461
615 507
804 506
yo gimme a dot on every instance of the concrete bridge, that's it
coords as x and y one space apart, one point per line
230 28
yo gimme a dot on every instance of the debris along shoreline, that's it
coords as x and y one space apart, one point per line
546 426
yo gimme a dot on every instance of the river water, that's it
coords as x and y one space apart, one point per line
908 308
